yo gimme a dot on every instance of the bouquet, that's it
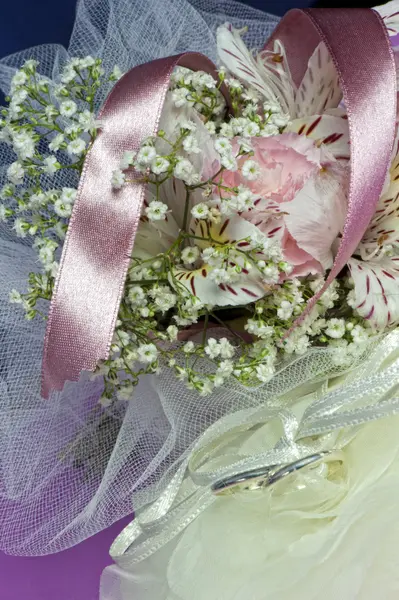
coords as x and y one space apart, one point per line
214 255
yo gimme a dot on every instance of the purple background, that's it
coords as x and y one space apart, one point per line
70 575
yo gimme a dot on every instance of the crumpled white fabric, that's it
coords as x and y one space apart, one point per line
327 532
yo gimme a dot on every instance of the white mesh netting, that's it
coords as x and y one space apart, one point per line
69 468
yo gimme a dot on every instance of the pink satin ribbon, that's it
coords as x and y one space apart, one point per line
359 45
100 238
99 242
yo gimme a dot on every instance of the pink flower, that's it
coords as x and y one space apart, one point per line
301 199
375 264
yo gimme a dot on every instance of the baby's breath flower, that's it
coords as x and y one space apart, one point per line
211 127
30 65
15 173
46 256
223 145
76 147
271 274
147 353
160 165
335 328
264 372
220 276
190 255
250 170
51 112
24 145
86 62
229 162
215 215
56 142
268 130
127 160
125 392
184 170
234 84
68 108
136 296
68 75
271 108
146 155
279 121
118 179
188 347
21 228
15 297
50 165
359 334
19 79
190 145
189 125
156 211
116 73
88 120
62 209
172 332
200 211
212 348
285 310
69 195
226 349
251 129
180 97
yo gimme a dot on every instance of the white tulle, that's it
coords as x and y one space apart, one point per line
68 467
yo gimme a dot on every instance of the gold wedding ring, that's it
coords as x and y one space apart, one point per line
264 477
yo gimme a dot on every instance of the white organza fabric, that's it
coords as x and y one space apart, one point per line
69 468
326 532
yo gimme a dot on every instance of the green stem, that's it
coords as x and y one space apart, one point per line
205 329
186 207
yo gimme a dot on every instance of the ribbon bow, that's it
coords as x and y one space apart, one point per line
100 238
366 393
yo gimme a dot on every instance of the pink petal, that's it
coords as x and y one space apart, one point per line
286 161
377 290
319 89
316 217
302 262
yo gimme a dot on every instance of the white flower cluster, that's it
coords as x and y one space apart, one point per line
199 90
198 245
49 127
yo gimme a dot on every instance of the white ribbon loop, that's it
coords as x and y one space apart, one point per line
335 404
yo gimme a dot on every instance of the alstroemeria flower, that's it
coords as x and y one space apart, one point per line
390 14
156 237
312 106
246 286
301 199
375 266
